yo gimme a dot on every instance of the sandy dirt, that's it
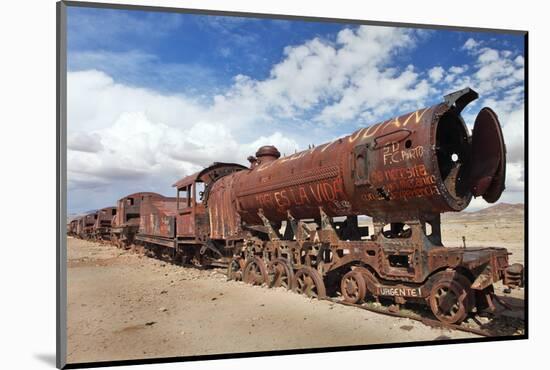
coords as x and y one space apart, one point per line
507 234
123 305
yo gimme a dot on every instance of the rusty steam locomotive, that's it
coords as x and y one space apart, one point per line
293 221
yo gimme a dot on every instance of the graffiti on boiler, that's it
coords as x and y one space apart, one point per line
307 194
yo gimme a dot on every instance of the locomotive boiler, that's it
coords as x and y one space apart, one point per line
410 167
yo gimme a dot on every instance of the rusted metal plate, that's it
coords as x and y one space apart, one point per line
102 223
218 170
187 180
488 157
223 216
104 217
72 227
158 216
129 207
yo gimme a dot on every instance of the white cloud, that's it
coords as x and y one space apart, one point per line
120 136
95 101
436 73
124 138
488 56
458 69
470 44
82 142
498 77
339 76
519 60
515 177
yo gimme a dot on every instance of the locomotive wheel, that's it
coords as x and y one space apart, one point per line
309 282
235 269
353 287
450 298
280 273
255 272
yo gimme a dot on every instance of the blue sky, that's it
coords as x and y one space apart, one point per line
165 81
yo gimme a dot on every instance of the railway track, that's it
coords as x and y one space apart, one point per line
423 320
498 324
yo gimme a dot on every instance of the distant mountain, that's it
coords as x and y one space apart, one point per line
501 208
72 216
498 211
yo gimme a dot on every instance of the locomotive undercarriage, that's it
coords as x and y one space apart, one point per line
102 234
402 262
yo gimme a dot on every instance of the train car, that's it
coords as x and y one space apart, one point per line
79 226
125 223
72 226
157 225
175 228
102 225
85 225
403 172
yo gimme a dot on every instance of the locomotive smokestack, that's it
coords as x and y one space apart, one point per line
267 153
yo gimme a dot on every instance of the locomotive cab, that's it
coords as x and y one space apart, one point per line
191 214
193 196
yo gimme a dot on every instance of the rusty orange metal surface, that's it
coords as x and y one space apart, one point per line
102 225
72 227
128 207
225 221
157 217
194 223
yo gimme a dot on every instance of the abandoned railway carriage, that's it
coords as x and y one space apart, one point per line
294 221
102 225
157 223
125 223
71 227
85 225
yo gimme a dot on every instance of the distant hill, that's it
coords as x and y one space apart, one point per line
503 208
72 216
512 212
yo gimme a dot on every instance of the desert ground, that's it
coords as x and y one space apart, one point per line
123 305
